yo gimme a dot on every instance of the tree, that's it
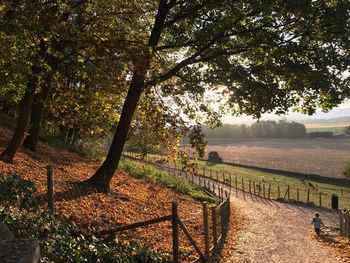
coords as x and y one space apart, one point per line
296 130
31 21
269 56
61 36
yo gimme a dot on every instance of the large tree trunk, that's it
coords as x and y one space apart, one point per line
23 119
104 174
36 116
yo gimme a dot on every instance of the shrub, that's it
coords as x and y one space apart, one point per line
214 157
346 170
15 190
62 241
65 242
321 134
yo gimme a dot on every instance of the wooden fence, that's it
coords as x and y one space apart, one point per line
215 220
214 234
262 188
345 223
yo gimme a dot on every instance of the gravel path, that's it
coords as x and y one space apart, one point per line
279 232
275 232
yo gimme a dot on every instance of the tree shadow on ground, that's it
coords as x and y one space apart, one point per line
77 190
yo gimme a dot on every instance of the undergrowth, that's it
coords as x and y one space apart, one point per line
177 183
62 241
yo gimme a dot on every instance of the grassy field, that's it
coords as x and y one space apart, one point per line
278 183
325 157
244 176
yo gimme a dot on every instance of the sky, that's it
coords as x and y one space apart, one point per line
340 111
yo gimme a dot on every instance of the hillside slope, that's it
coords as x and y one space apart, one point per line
131 199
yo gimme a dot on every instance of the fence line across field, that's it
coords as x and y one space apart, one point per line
270 190
263 190
296 163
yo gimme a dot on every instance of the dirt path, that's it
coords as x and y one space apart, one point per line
278 232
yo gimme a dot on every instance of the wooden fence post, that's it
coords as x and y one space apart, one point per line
217 175
348 223
308 196
250 186
243 184
222 220
214 227
269 192
206 229
254 188
288 193
230 180
320 198
210 173
50 185
236 183
341 222
278 191
264 190
298 194
175 228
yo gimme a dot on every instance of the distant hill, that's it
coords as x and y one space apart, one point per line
332 122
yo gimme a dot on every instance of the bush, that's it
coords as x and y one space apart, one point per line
17 191
346 170
65 242
62 241
214 157
321 134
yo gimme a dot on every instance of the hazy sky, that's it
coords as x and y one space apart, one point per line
342 110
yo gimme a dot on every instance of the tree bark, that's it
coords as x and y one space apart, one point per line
36 116
104 174
23 119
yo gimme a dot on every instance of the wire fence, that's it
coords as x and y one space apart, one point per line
324 163
310 194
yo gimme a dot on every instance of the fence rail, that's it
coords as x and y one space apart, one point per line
266 189
214 234
345 223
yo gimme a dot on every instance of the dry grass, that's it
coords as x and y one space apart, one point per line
325 157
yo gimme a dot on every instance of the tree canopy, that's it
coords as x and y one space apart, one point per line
258 56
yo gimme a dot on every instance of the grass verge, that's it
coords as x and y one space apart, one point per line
177 183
